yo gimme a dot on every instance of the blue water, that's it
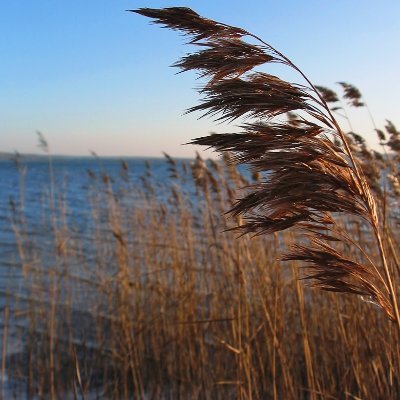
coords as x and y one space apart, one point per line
30 191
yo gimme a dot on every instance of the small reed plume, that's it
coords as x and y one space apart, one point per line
352 94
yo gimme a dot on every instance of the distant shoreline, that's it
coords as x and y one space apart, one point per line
7 156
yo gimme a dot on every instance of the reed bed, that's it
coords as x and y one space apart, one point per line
157 299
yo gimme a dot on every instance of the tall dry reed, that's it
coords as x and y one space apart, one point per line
313 176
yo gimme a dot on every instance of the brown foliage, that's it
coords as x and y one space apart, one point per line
311 172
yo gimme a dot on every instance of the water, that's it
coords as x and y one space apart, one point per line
31 189
29 192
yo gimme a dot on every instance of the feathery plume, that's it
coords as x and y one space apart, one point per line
310 172
352 94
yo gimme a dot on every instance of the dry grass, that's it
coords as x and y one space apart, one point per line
155 300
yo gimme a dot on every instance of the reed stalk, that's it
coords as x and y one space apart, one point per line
312 179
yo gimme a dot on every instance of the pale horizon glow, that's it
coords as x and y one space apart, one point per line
92 77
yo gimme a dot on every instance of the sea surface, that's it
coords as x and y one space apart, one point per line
34 189
28 185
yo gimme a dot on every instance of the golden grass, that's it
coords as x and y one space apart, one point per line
164 304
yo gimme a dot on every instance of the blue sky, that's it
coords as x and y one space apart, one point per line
91 76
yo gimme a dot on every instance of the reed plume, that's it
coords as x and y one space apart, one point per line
288 133
352 94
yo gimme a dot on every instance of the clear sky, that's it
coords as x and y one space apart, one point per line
91 76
